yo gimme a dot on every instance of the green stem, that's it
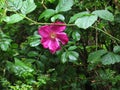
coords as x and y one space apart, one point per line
43 4
106 33
39 23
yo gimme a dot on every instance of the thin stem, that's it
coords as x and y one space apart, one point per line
106 33
35 22
43 4
39 23
96 40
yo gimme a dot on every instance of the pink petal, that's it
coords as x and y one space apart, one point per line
44 31
53 51
54 45
58 28
45 42
63 38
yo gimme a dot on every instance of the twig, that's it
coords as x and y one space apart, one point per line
43 4
106 33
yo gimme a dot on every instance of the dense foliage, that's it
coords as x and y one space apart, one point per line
89 61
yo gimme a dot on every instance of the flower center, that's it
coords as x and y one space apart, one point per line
53 35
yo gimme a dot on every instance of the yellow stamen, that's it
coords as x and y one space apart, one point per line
53 35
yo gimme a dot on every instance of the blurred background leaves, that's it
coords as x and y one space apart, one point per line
90 60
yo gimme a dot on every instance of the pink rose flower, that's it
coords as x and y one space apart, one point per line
52 35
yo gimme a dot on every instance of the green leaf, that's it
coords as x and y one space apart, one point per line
2 2
40 64
19 68
28 6
2 14
64 5
33 54
76 36
78 15
104 14
72 48
2 35
22 64
34 40
5 43
23 69
86 21
35 43
9 66
58 16
64 57
14 5
47 14
51 1
116 49
29 61
110 58
73 56
96 56
14 18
